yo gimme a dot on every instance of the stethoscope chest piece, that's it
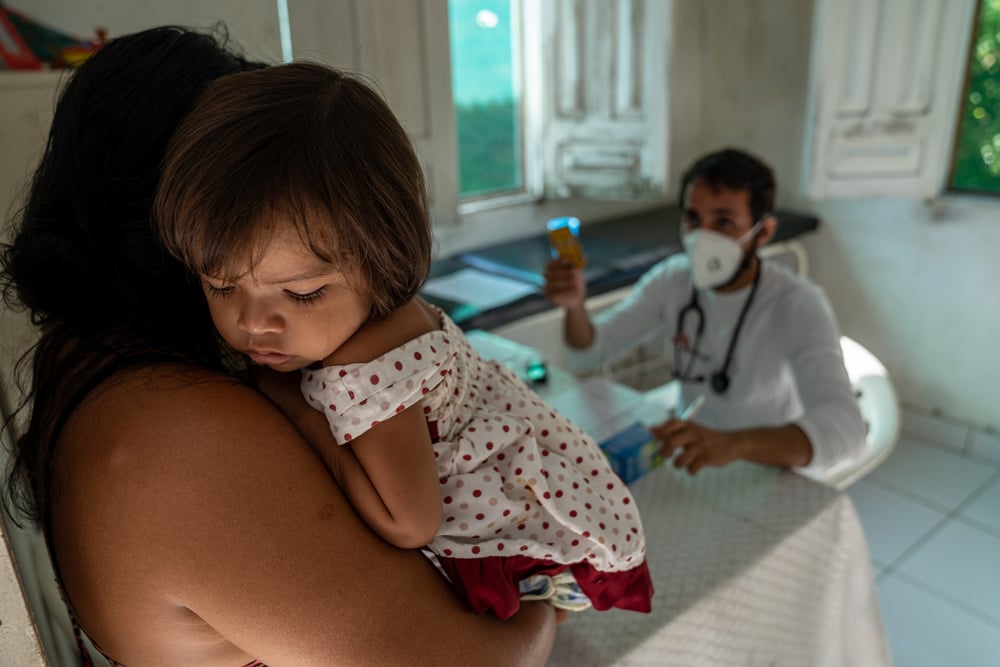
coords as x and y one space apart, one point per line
719 382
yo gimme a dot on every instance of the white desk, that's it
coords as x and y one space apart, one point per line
752 566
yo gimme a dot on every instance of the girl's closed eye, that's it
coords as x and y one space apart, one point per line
299 297
217 291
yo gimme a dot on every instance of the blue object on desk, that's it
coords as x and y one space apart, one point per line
632 452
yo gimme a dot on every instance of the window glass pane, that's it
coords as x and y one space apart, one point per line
487 101
977 150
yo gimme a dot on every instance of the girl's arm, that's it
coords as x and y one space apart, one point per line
390 476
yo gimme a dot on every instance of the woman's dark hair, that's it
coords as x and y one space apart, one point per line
734 169
83 258
300 144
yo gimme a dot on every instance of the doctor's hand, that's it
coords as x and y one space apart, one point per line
697 446
564 283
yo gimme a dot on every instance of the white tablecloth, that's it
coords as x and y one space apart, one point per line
752 566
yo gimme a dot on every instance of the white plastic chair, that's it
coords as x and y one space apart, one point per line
787 252
879 408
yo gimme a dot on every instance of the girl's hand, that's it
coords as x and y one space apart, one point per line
283 390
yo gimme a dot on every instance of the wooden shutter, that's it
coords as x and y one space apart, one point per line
603 104
886 86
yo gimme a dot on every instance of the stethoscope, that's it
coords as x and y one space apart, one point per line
719 380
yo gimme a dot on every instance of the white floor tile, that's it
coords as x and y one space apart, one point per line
960 562
986 507
933 473
925 631
892 522
934 429
986 445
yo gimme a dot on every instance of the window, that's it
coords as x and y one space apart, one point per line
487 96
976 165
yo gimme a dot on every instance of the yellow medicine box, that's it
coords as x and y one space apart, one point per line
564 238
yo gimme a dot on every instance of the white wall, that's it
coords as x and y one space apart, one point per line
915 282
738 77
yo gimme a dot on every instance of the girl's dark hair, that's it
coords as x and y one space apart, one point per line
300 144
734 169
83 258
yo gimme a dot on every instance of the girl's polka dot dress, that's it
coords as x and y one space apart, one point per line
524 490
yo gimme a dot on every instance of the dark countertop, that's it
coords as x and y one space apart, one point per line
618 252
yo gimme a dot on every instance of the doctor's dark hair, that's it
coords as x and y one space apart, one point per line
304 145
734 169
82 258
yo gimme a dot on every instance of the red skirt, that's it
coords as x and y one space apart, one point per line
491 583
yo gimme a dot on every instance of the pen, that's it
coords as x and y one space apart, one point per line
692 410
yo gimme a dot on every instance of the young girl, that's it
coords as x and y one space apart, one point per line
296 196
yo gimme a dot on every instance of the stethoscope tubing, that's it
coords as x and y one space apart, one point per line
720 380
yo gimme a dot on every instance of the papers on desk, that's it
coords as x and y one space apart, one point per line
478 289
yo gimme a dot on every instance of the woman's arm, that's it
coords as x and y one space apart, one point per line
196 522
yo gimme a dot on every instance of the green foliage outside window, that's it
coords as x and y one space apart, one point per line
977 153
488 140
487 103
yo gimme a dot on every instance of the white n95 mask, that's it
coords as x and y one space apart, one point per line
715 258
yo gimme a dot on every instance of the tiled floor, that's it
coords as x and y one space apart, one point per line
931 514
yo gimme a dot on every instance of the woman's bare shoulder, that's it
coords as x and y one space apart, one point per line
171 431
169 410
155 394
